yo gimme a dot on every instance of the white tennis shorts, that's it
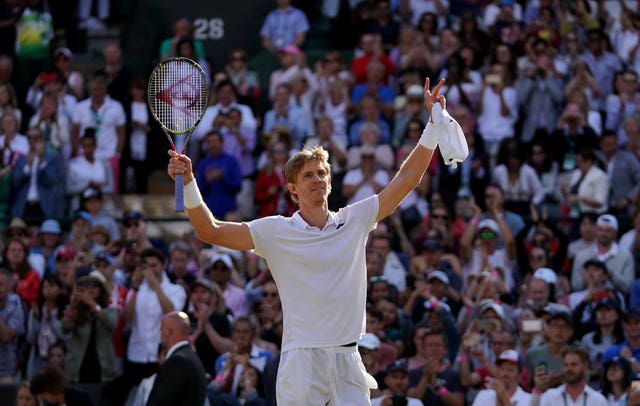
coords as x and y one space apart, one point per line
332 376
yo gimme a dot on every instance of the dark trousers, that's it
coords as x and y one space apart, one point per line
118 389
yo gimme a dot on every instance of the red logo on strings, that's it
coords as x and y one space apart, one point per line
181 95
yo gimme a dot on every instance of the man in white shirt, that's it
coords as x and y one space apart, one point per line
575 390
397 380
503 390
317 258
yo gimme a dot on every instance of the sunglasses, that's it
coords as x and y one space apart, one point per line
487 235
269 294
439 216
132 225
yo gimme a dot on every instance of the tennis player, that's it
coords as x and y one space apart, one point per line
317 258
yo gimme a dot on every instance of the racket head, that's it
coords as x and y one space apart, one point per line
178 94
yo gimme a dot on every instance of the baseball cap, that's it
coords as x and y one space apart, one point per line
607 220
559 312
490 224
596 262
439 275
81 214
491 304
106 257
205 283
432 244
397 365
609 303
132 215
90 192
16 223
64 51
415 91
632 312
547 275
291 49
509 356
369 341
50 226
97 275
226 259
65 253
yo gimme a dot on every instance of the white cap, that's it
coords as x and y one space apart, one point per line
369 341
439 275
221 257
491 304
547 275
490 224
607 220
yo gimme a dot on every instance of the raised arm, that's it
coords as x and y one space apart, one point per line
209 229
412 169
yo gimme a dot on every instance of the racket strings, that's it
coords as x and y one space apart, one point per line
178 95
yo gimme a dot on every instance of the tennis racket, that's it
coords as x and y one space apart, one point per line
177 94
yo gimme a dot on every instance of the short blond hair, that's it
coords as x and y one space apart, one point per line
296 163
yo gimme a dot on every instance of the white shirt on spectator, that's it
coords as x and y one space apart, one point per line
145 327
559 396
492 125
355 176
487 397
106 120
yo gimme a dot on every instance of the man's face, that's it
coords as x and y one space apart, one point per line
509 374
609 145
631 327
573 370
220 273
605 235
434 345
97 90
381 246
242 336
493 196
225 95
312 184
538 293
179 259
397 381
560 331
154 264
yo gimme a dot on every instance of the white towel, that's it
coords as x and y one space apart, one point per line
451 140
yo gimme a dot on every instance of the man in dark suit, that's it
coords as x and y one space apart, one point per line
181 380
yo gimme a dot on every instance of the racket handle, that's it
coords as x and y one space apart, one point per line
179 191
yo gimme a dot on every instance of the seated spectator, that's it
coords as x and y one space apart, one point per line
285 114
623 171
92 201
368 347
272 195
366 180
74 80
218 269
27 281
245 80
13 143
53 124
117 73
372 48
51 385
369 136
622 103
396 380
616 380
293 63
9 102
286 25
630 347
49 239
335 142
24 395
572 134
374 87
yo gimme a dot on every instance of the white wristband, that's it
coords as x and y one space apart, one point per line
192 196
428 139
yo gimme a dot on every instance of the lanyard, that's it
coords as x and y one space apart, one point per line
584 398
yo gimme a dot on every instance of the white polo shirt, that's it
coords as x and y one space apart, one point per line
487 397
145 327
559 397
106 120
320 274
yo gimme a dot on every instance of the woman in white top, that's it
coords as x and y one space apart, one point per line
519 181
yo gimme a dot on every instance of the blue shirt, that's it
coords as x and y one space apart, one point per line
281 27
295 123
220 195
385 93
614 351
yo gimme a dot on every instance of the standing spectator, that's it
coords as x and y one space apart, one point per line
210 327
87 171
622 103
92 201
182 28
602 63
607 250
138 129
152 295
369 112
572 134
9 15
219 175
75 81
15 260
375 88
371 47
181 378
630 347
9 101
219 269
286 25
574 370
286 114
504 389
11 327
367 180
106 116
396 380
616 380
245 80
13 143
37 182
87 20
272 195
34 36
293 64
587 189
54 124
44 326
623 170
118 75
90 323
497 109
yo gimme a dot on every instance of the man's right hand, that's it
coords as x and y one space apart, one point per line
180 164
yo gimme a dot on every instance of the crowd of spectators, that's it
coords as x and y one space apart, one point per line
506 278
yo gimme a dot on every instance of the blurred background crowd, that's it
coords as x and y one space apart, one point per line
487 275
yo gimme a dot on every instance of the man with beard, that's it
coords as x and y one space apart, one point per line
575 390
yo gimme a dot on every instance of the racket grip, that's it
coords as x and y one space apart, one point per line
179 193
